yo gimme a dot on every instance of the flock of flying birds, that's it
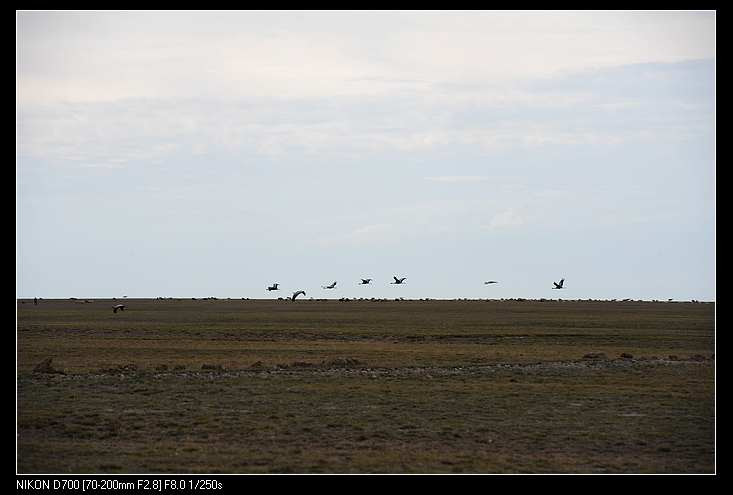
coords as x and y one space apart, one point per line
364 281
397 281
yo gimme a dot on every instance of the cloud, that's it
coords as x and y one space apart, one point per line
105 89
457 178
567 113
270 132
93 56
373 234
506 219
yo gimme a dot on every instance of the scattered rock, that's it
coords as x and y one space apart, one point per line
672 357
162 367
300 364
212 367
342 362
626 355
595 355
258 364
127 368
45 366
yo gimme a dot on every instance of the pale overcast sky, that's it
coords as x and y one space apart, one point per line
193 154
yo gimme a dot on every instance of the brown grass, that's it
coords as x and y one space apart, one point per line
424 388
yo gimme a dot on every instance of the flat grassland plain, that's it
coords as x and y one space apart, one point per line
325 386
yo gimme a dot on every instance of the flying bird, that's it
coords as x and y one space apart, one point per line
273 287
398 280
296 294
491 282
121 307
365 281
329 286
559 286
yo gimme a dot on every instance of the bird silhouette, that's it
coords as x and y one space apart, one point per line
559 286
365 281
491 282
398 280
296 294
273 287
329 286
121 307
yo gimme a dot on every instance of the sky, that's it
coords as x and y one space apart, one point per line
197 154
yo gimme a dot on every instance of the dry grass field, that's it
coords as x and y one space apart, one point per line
268 386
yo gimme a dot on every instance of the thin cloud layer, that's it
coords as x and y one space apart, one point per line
458 178
584 110
92 56
247 145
